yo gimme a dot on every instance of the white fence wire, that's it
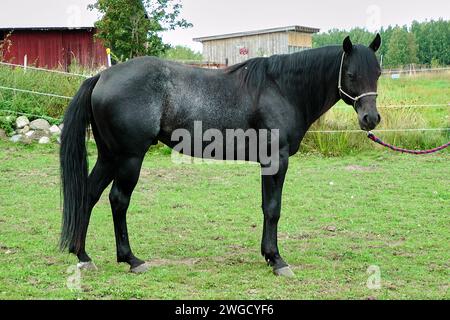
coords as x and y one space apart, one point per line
44 70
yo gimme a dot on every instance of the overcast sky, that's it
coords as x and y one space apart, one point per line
211 17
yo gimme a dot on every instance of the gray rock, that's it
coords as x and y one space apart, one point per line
37 134
44 140
40 124
16 138
21 122
3 134
20 138
23 130
55 130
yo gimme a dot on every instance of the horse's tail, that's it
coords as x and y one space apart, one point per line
74 167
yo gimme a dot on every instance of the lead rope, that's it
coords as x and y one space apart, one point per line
375 139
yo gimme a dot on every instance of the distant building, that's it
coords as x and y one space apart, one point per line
229 49
51 34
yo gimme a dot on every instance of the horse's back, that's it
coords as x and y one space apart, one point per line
147 98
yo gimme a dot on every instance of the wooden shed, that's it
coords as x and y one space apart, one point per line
53 37
233 48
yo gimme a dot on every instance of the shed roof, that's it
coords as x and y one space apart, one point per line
258 32
47 14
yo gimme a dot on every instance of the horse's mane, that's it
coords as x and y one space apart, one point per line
290 72
254 72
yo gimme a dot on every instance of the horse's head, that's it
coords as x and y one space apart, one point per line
359 75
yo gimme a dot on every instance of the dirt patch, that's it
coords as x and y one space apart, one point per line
167 174
173 262
7 250
359 168
287 236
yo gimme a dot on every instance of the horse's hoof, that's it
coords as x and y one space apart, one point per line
89 266
284 272
140 268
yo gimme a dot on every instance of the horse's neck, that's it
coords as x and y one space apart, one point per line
317 84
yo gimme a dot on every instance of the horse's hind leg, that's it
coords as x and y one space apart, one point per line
126 177
100 177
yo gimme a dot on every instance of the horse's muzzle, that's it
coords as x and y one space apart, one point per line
369 120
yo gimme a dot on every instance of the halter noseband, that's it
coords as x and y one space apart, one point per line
342 92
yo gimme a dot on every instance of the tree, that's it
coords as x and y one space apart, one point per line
433 39
182 53
424 42
402 48
132 28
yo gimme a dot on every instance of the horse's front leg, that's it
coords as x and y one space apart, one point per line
272 187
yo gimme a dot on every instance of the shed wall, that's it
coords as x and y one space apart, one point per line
239 49
234 49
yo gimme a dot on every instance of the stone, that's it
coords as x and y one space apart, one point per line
20 138
23 130
40 124
37 134
16 138
3 134
21 122
44 140
55 130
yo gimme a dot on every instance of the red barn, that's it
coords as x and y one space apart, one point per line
51 33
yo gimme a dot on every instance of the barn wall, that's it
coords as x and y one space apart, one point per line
56 49
219 51
257 46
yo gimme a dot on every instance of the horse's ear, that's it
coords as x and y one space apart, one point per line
376 43
348 45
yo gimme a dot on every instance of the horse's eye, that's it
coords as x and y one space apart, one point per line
351 76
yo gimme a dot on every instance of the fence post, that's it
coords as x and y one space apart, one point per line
25 63
108 54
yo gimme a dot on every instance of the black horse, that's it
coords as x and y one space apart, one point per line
136 104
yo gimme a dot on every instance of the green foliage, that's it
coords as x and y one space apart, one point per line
402 48
424 42
336 36
182 53
38 106
132 28
433 39
7 124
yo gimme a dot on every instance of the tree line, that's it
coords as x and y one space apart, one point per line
425 43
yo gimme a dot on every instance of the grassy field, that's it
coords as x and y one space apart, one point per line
200 227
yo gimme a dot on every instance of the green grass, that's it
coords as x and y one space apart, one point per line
200 225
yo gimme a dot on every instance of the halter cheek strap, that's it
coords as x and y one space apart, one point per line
342 92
